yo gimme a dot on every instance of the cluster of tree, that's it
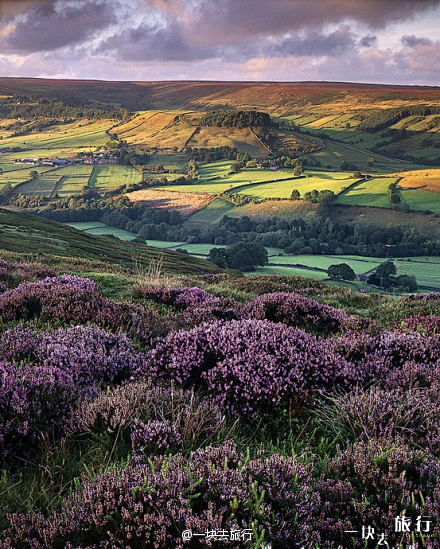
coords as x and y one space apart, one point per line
242 256
32 107
387 117
393 193
128 156
22 201
235 119
319 196
212 154
341 271
35 126
242 160
384 276
193 169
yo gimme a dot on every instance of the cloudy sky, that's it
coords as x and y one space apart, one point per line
384 41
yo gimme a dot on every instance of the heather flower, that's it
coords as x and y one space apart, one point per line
148 438
372 483
115 413
71 299
150 504
295 310
250 366
424 324
180 298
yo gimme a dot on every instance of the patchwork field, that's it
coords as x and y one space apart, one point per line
61 140
428 179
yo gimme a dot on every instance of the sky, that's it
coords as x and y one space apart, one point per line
372 41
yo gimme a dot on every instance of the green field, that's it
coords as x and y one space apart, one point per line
20 175
373 192
43 185
212 213
359 265
59 140
106 176
283 189
419 199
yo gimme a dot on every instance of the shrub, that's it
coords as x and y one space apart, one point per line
424 324
371 483
149 505
219 309
115 413
69 299
295 310
180 298
250 366
395 414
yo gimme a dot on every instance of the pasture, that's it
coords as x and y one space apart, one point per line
373 192
212 213
61 140
283 189
107 176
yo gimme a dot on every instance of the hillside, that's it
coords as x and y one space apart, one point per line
26 233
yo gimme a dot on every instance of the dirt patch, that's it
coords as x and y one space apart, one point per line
185 203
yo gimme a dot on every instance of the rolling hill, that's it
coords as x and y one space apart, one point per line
26 233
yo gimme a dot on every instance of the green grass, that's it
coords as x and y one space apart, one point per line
212 213
373 192
426 270
419 199
20 175
359 265
106 176
43 185
278 270
283 189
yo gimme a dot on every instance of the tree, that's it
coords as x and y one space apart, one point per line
382 274
297 171
245 256
341 271
33 174
218 257
295 194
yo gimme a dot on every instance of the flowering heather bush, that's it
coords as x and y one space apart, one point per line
178 297
33 398
18 343
64 366
155 436
359 324
411 415
222 308
295 310
251 366
116 412
422 297
12 274
376 357
90 354
149 505
72 299
275 283
425 324
372 483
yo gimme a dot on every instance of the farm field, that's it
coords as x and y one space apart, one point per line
19 176
59 140
283 189
98 228
421 199
44 185
427 179
373 192
159 198
212 213
108 176
359 265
